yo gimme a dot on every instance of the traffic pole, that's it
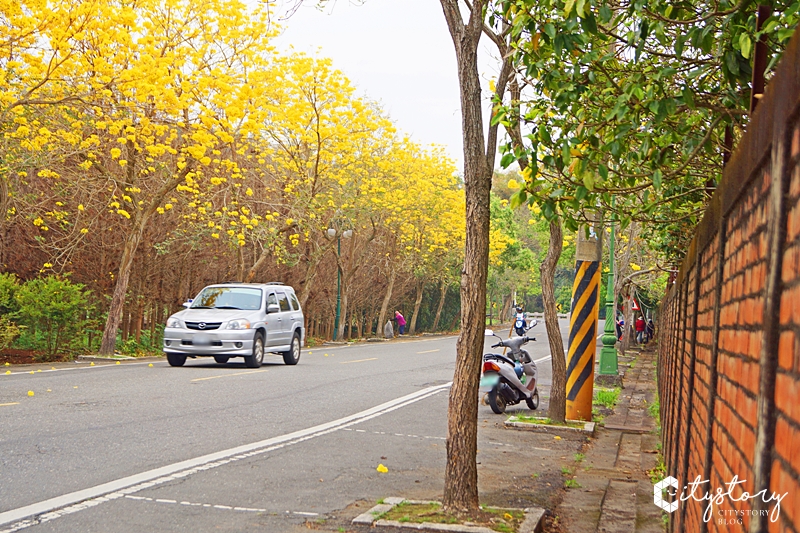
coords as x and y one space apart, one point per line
583 326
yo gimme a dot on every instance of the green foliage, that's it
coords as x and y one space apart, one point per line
55 310
632 101
8 331
606 397
9 284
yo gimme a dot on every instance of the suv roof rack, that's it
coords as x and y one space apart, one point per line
274 283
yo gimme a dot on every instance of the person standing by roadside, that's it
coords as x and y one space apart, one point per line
640 326
401 322
650 330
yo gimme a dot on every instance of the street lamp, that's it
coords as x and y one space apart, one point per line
608 354
337 233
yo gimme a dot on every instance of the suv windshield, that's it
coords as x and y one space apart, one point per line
228 298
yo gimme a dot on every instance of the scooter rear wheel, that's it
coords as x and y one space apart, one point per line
533 401
496 402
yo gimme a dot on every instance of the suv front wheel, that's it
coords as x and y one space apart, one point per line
293 355
255 360
176 359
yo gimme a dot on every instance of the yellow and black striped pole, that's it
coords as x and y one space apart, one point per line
583 328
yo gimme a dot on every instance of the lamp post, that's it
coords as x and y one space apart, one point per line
608 354
338 234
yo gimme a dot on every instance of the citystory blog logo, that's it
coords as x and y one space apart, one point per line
715 498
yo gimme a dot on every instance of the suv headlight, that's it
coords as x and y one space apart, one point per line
240 323
173 322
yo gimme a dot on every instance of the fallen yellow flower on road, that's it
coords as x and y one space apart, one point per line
507 516
8 364
8 372
151 364
117 362
92 364
557 437
39 370
30 393
32 372
48 390
382 469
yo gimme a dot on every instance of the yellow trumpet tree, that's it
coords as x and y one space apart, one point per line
151 102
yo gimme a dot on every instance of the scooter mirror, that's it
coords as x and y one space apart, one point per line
488 333
534 322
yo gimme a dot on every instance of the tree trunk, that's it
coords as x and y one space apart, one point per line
461 473
412 328
558 390
385 305
442 296
109 341
342 315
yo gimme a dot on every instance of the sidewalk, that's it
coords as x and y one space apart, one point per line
615 493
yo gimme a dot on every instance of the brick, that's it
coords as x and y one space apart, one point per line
783 438
786 351
786 395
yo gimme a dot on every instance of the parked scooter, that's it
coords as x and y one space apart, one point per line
512 378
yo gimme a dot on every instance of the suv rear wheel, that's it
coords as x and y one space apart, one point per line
293 355
176 359
255 360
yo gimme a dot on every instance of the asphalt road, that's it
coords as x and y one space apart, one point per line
133 447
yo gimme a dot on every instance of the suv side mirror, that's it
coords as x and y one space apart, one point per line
273 308
188 303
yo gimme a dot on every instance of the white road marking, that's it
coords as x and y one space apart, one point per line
544 359
430 351
359 360
229 375
396 434
7 404
193 504
86 367
73 502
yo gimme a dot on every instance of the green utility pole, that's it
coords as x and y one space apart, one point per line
338 287
608 354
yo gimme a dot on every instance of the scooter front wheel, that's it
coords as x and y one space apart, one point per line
533 401
496 401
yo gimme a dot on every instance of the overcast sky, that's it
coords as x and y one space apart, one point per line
396 52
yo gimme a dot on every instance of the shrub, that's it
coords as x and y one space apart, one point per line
8 332
9 285
54 309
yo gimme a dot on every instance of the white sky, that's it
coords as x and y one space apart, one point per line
396 52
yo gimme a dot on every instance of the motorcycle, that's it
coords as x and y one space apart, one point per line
508 380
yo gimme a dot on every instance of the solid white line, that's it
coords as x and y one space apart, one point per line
108 491
543 359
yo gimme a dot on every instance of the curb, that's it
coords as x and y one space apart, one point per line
101 358
587 429
531 524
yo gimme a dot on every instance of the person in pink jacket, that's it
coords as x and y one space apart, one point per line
401 322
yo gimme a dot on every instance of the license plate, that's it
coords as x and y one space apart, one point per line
488 382
201 339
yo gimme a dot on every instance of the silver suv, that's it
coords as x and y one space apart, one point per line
237 320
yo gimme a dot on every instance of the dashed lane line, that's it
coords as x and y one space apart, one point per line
430 351
212 506
7 404
229 375
416 436
359 360
544 359
47 510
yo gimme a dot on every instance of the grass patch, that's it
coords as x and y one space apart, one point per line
659 472
502 520
571 484
655 411
606 397
579 457
597 416
547 421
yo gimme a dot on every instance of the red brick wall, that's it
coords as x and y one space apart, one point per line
729 341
